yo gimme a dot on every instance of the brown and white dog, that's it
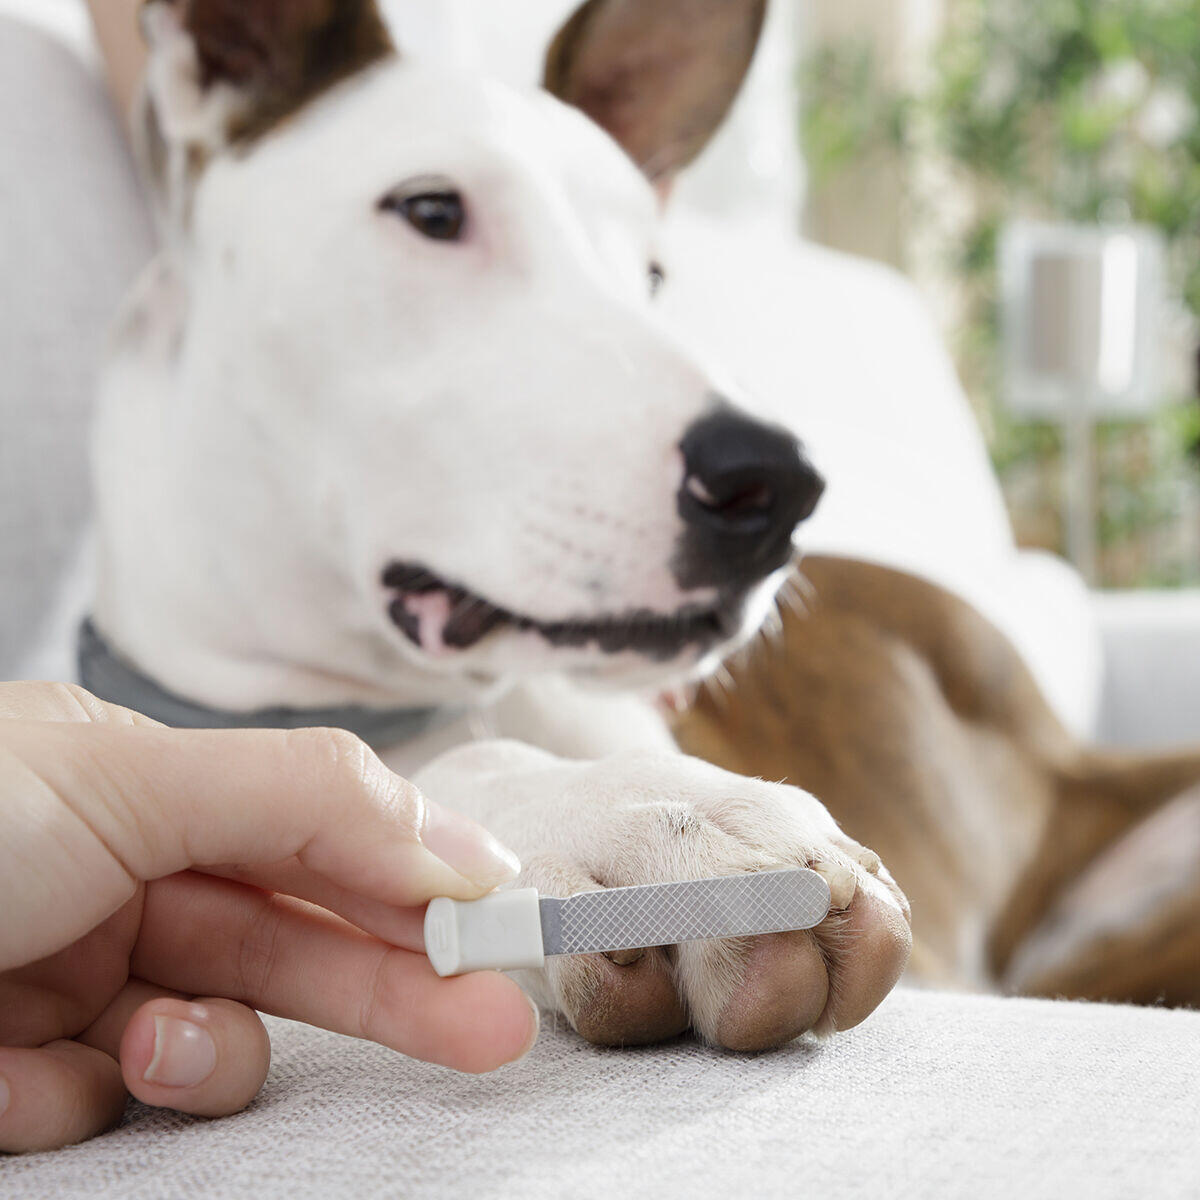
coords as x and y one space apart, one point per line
392 423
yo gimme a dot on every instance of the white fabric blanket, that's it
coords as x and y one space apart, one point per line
935 1096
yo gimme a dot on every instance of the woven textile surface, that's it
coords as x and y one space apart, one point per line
936 1095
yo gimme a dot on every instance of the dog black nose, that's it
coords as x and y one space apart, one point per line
746 486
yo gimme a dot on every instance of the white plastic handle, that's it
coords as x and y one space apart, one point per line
501 932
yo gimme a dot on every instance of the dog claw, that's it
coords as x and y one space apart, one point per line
624 958
841 880
869 861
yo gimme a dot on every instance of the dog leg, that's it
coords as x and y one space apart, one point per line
653 816
1098 802
1128 929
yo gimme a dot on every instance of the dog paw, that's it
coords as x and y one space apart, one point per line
650 818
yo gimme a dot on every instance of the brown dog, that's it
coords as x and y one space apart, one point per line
1031 861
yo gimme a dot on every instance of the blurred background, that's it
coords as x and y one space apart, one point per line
1032 165
934 133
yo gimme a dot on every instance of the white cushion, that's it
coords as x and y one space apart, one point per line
73 233
936 1095
1152 657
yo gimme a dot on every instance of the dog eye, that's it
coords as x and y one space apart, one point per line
657 277
440 215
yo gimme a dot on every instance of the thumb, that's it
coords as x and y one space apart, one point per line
97 809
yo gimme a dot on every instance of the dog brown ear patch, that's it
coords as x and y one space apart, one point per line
281 53
658 75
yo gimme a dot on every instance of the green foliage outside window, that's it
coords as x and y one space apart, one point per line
1081 110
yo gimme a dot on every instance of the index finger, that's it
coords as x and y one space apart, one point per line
97 809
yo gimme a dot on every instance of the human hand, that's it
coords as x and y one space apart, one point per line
158 886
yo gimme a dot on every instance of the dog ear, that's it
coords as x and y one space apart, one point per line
658 75
223 72
272 56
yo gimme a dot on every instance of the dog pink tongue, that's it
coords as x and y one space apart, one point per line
432 611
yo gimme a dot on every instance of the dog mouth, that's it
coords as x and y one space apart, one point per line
440 617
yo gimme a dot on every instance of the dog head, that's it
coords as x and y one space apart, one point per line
397 405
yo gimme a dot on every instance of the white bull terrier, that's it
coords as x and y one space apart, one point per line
392 436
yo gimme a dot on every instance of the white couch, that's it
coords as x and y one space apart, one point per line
936 1095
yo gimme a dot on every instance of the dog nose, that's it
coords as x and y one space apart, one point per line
746 486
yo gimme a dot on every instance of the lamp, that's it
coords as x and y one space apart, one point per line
1081 320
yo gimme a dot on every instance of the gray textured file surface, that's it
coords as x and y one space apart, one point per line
663 914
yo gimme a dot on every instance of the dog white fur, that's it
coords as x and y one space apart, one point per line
303 389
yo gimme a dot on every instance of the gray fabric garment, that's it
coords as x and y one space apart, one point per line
107 675
73 234
935 1096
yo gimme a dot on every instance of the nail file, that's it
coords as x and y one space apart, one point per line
509 930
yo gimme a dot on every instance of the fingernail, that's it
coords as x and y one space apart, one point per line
184 1054
468 848
537 1028
5 1095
